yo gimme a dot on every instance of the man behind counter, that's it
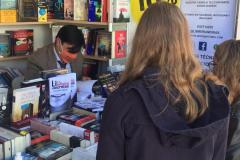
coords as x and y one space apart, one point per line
64 53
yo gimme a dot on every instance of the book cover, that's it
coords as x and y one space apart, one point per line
119 45
103 44
104 5
8 15
27 10
5 148
5 106
59 93
48 150
50 9
41 84
80 10
42 11
58 9
25 105
8 4
121 11
42 125
21 42
4 45
94 11
68 9
37 137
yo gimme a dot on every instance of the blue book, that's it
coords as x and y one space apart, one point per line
91 11
58 9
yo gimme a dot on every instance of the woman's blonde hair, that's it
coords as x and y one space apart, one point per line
162 39
227 65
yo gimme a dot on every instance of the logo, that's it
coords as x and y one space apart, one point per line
202 46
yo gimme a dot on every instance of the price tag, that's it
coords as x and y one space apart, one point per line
139 6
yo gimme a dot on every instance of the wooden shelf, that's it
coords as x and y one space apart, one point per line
79 23
98 58
13 58
25 23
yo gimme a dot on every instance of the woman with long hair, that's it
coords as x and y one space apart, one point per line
163 108
226 68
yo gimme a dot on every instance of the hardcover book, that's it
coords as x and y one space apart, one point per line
80 10
58 9
25 105
119 44
21 42
68 9
103 44
49 150
120 11
27 10
8 4
8 15
59 93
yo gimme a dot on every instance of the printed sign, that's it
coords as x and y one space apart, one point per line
211 22
139 6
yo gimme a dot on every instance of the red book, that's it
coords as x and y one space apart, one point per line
119 44
21 42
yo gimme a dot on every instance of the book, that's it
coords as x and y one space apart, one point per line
104 17
37 137
94 11
42 11
27 10
8 15
68 9
18 142
5 106
8 4
4 45
58 9
59 93
5 148
103 44
68 140
119 44
21 42
80 10
76 119
43 125
49 150
24 156
50 9
25 105
53 72
120 11
77 131
41 84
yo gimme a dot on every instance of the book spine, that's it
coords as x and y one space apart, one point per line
91 11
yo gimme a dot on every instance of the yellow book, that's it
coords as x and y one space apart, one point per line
8 15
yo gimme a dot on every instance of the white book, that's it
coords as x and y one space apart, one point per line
59 93
80 10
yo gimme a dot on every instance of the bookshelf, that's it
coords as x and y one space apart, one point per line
79 23
98 58
25 23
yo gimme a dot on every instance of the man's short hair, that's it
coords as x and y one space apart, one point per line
72 35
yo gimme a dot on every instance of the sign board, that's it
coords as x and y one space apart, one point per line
211 22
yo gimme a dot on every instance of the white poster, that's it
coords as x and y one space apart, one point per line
211 22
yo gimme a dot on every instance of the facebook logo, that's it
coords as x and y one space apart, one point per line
202 46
